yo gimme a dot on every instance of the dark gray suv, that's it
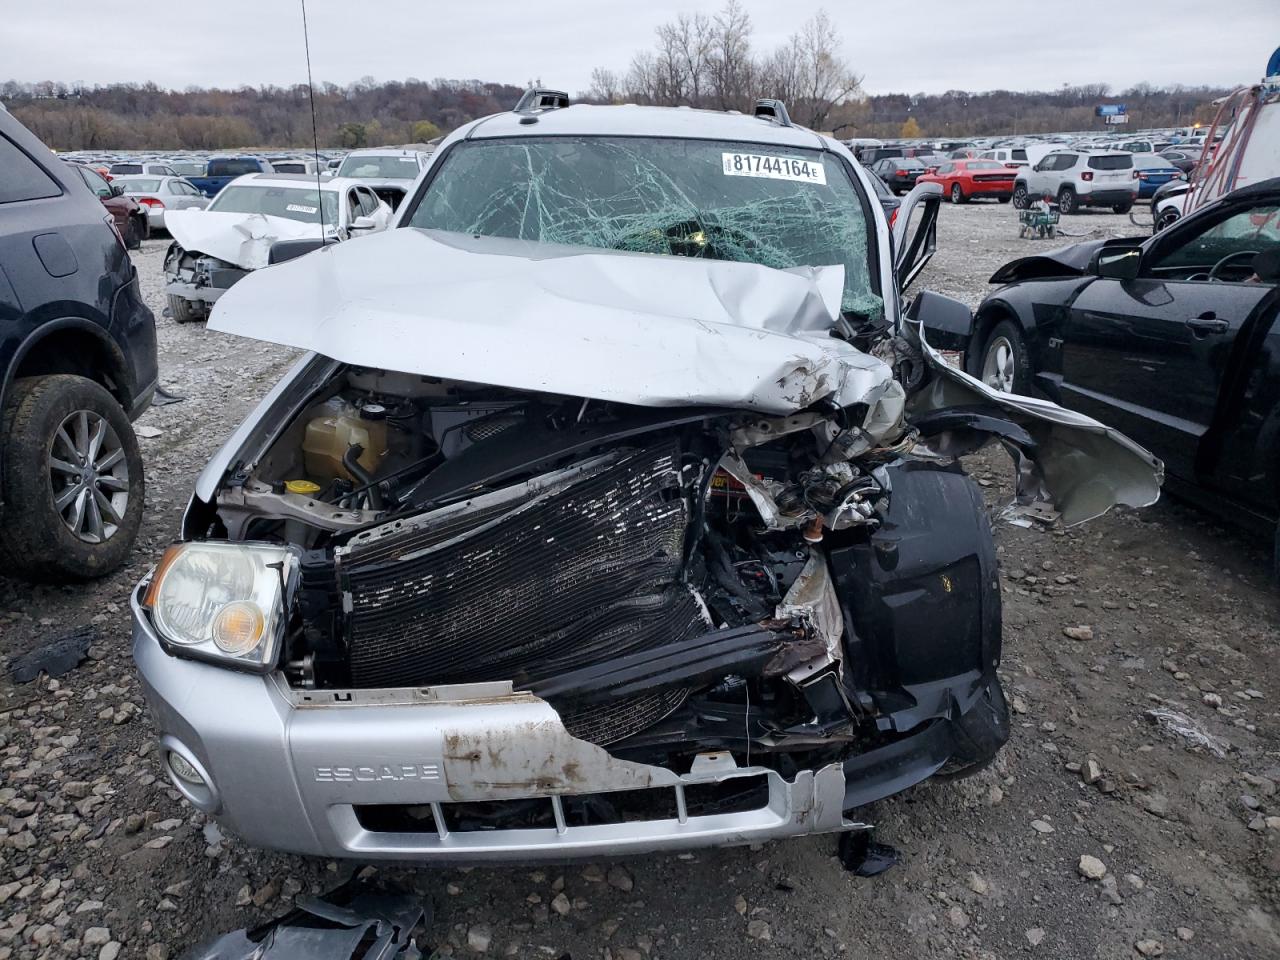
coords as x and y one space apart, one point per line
77 364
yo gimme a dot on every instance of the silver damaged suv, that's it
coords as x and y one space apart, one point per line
615 507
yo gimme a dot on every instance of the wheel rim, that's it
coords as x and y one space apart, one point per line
998 367
1019 197
89 476
955 193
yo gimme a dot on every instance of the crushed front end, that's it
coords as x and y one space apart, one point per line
516 624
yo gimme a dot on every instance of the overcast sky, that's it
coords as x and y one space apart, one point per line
914 46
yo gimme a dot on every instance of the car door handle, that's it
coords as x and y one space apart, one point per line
1207 323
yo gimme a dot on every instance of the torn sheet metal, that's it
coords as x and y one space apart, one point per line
348 923
634 328
812 599
243 239
1084 467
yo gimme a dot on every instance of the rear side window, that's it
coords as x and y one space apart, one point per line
1019 154
21 177
1112 162
233 168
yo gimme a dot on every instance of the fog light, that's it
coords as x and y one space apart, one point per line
183 770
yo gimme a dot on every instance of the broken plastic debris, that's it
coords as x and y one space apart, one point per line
163 398
1185 728
351 921
54 658
863 858
1026 515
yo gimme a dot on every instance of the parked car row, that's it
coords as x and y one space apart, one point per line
390 171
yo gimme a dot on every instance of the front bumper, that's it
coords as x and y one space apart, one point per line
299 770
194 293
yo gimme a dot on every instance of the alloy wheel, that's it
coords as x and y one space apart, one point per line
999 367
89 476
956 194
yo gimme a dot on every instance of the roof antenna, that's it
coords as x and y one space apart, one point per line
315 135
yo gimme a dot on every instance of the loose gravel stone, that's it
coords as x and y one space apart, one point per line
1091 867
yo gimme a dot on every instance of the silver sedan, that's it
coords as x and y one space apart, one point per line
158 194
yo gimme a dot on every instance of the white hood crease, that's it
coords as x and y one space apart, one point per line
631 328
242 239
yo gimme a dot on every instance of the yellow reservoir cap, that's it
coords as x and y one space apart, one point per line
303 488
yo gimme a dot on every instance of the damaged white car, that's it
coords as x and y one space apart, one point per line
216 247
615 508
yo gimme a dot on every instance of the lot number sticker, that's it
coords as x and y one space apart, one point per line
300 208
773 168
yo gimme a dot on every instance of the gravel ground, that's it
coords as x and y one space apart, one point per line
1096 834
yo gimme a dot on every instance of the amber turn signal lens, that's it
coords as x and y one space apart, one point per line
238 627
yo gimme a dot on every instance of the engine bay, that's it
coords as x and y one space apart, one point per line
660 576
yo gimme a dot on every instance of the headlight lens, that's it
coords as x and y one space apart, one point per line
221 600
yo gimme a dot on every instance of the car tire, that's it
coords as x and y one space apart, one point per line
51 426
1004 363
1020 199
182 310
957 194
1068 202
1166 218
1123 207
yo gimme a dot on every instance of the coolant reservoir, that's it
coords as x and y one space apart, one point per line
335 426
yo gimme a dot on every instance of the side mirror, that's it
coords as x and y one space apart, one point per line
1119 262
363 223
117 190
910 257
283 250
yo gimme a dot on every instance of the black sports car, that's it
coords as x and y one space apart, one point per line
1173 340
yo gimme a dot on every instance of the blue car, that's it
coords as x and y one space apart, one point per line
1154 171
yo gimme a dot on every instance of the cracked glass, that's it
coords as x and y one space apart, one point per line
790 207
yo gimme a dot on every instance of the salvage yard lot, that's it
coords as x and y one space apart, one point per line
1180 614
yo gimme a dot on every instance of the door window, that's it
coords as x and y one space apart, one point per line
21 177
95 182
1242 237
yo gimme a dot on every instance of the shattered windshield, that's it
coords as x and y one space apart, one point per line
748 202
292 203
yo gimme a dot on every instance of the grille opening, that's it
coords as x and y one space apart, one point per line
735 795
395 818
477 816
621 806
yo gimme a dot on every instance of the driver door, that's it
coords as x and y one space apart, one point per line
1149 355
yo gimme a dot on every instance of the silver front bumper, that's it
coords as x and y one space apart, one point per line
291 769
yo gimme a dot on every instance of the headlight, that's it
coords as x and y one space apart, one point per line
221 601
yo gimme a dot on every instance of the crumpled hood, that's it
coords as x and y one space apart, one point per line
1070 261
632 328
243 239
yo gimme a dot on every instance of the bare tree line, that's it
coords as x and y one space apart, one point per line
708 61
